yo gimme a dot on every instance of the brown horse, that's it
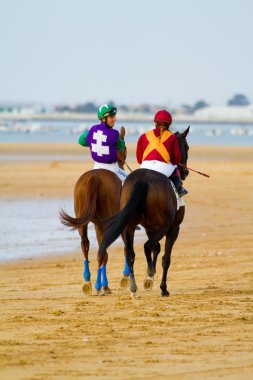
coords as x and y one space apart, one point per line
96 197
148 198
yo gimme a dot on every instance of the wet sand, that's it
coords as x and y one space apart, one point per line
50 330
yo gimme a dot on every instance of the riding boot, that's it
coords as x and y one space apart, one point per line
178 185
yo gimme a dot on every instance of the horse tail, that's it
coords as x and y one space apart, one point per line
89 203
135 205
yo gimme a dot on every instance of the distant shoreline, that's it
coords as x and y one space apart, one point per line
130 117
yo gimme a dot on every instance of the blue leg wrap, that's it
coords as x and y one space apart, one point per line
86 271
98 284
104 278
126 271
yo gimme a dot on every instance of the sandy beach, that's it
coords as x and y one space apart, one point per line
50 330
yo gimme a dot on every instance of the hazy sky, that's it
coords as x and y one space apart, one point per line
134 51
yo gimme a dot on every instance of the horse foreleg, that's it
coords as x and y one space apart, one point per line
85 245
124 282
171 237
128 238
101 281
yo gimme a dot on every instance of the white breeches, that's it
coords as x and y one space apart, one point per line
159 166
114 167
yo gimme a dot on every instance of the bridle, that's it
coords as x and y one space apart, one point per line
184 148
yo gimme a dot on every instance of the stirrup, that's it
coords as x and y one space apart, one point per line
181 192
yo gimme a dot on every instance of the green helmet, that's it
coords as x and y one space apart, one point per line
106 110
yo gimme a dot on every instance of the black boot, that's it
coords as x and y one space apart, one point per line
178 185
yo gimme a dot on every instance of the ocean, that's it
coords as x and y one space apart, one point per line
31 228
23 232
225 134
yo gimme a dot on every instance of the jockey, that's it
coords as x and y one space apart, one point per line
158 150
106 145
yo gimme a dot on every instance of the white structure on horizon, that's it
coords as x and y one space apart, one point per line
226 113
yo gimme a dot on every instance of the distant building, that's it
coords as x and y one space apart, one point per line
23 108
226 113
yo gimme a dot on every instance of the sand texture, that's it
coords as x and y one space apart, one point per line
51 330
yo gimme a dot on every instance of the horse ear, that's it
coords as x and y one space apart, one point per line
122 132
185 133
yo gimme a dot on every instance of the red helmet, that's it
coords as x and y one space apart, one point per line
163 117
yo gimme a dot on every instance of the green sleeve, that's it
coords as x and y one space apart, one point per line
82 139
120 144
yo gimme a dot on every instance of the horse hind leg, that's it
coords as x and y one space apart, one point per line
152 246
149 280
128 238
85 246
156 251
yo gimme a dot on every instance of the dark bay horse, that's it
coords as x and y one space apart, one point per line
96 198
148 199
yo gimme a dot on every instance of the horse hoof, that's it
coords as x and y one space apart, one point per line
124 282
134 295
106 291
148 283
87 288
165 293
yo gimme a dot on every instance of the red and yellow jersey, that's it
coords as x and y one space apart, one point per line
152 146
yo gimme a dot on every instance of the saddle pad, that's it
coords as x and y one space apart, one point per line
180 200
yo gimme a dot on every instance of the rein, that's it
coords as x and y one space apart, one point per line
124 163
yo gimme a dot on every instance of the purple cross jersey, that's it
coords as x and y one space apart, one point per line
102 142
